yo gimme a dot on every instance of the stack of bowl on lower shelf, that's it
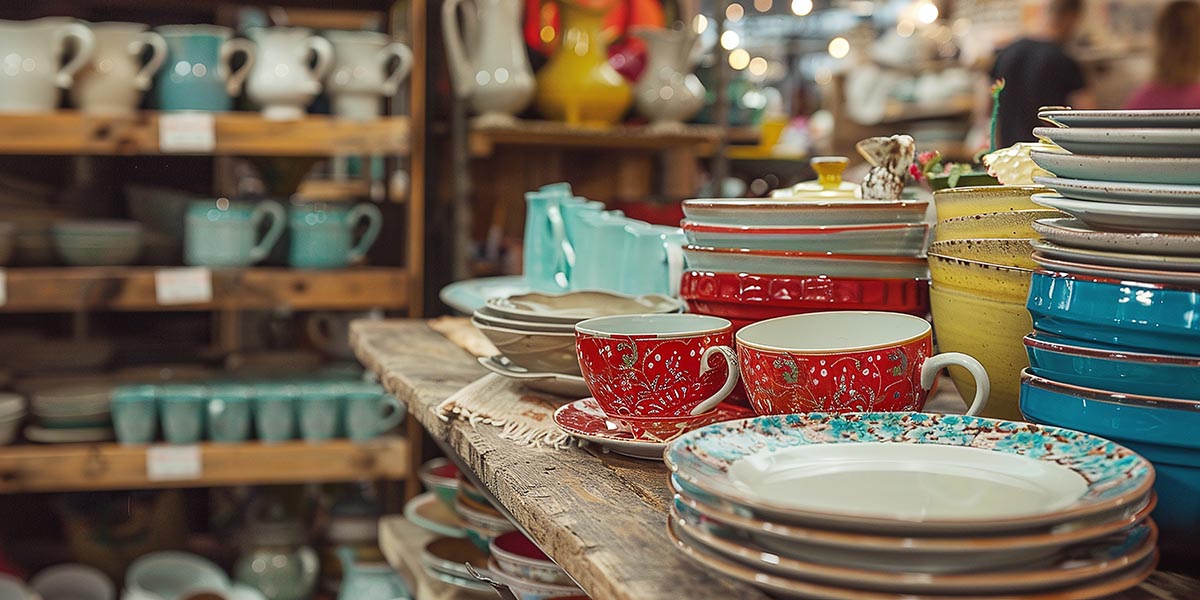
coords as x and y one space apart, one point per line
755 259
1116 344
980 272
871 505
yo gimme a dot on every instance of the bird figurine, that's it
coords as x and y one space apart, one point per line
889 158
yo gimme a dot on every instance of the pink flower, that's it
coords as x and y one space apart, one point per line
916 173
926 156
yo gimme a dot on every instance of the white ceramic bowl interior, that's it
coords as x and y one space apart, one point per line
663 326
73 582
832 332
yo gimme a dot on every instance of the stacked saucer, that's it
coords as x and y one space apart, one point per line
887 505
535 333
71 413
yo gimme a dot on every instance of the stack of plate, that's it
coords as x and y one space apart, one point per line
755 259
72 413
879 505
535 333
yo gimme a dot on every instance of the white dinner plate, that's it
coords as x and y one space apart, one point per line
1076 234
1117 259
1142 119
1165 194
1126 217
559 384
1166 143
1129 169
1185 278
800 213
779 262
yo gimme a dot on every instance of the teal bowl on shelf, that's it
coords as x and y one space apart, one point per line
1141 317
1128 372
1162 430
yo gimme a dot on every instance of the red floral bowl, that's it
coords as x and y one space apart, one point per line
743 297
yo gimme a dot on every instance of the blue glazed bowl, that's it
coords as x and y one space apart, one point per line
1077 363
1160 430
1143 317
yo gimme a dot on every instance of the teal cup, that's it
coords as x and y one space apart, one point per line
226 234
135 414
370 411
602 239
275 412
181 409
198 73
322 234
651 260
229 413
319 408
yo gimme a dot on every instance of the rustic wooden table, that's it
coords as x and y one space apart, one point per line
601 517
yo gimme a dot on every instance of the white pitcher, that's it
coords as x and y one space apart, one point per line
668 92
113 81
281 81
491 68
360 77
30 57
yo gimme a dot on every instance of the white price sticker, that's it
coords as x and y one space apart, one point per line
187 132
3 287
173 463
187 285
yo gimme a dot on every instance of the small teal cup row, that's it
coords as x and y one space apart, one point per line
316 412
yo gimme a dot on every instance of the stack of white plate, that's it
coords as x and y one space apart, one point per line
887 505
535 333
71 413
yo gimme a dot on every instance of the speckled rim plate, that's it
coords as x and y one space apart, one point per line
1114 476
572 307
1071 232
1126 169
1126 217
1101 558
1117 259
1139 274
1162 142
1146 119
1124 193
794 588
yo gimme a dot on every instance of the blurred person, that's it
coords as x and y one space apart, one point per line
1037 72
1176 82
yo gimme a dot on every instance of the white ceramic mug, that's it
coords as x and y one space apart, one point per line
113 81
360 75
31 53
281 81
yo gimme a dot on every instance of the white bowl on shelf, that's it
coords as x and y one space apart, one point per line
73 582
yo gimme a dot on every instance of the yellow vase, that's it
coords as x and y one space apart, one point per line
578 85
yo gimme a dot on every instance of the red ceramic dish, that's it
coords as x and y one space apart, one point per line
744 297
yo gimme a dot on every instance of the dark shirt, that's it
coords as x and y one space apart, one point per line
1036 74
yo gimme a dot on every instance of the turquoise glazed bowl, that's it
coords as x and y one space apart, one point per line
1142 317
1160 429
1077 363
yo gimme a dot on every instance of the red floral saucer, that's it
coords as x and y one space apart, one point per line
584 420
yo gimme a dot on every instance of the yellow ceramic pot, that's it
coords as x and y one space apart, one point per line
963 201
997 268
991 330
578 85
1007 224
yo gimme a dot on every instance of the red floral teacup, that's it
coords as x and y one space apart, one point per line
847 361
657 365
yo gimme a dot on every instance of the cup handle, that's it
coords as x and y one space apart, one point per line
374 219
235 79
564 256
983 385
323 50
397 413
86 41
730 380
674 268
404 64
275 212
158 54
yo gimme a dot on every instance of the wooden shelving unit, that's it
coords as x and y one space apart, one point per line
72 467
236 133
484 139
134 289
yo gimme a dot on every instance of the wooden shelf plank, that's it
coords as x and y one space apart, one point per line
484 138
237 133
133 289
69 467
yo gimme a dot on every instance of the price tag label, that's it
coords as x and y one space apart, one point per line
173 463
187 132
188 285
3 287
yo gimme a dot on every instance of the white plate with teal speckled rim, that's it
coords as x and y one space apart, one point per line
1102 141
1117 259
1127 169
1076 234
1126 217
912 473
1116 119
1125 193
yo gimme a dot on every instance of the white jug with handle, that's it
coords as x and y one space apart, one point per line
668 92
489 65
282 81
31 53
360 74
115 78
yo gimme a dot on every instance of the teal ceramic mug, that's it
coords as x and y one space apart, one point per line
198 73
181 408
275 412
370 411
226 234
322 233
547 253
601 240
135 413
319 408
651 260
229 413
